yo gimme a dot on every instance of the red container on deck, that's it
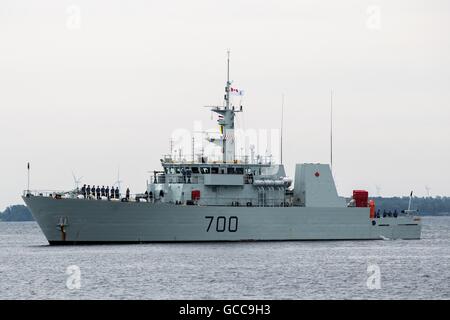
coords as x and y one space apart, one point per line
195 195
361 197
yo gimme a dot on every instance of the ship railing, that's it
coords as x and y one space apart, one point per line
141 197
258 160
76 194
161 178
46 193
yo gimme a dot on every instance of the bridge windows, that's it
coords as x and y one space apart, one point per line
195 170
234 170
214 170
204 170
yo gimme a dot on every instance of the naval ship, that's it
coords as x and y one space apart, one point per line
226 200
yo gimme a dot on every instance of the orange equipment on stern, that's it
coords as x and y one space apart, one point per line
372 209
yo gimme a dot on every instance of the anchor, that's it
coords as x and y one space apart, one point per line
62 227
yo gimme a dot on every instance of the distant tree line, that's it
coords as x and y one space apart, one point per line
17 212
426 206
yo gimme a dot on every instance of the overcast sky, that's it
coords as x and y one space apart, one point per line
88 86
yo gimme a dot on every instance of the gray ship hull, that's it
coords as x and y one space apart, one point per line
80 221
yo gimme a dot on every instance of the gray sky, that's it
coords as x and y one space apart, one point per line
88 86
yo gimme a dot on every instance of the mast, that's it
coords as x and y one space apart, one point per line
410 199
226 121
281 133
118 177
331 130
28 179
193 148
227 106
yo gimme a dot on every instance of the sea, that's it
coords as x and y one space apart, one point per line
379 270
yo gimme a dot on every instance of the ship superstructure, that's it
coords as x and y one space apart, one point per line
227 182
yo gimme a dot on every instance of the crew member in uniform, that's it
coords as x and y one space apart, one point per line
97 191
107 192
88 191
117 193
103 191
93 191
83 191
127 194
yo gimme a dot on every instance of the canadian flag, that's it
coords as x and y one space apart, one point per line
236 92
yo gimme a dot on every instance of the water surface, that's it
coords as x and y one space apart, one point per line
409 269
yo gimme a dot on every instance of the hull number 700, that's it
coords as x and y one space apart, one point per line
222 224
